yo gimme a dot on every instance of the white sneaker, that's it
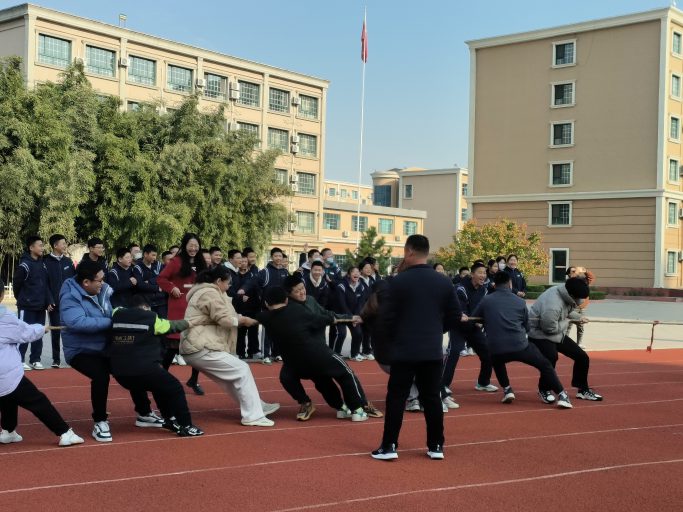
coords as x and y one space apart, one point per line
370 357
261 422
269 409
150 420
175 359
450 403
444 408
344 413
358 358
278 359
490 388
37 366
470 351
68 438
267 360
413 405
508 396
464 353
27 368
180 361
10 437
101 432
359 415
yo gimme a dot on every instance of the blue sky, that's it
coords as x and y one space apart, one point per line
417 81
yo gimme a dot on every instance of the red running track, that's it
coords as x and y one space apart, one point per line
623 454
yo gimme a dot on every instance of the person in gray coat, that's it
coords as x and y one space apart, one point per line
549 320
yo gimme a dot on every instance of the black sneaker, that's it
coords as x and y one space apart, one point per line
385 453
195 387
190 431
435 453
589 394
546 397
171 425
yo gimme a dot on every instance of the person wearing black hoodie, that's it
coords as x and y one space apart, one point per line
145 271
121 279
31 290
96 253
351 295
247 304
516 276
272 276
59 268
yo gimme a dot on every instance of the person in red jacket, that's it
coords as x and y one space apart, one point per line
176 279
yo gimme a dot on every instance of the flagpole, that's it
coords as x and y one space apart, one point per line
362 121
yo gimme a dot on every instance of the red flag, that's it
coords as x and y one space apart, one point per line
364 44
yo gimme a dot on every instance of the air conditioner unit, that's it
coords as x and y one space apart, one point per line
234 86
79 60
345 234
295 139
123 62
296 101
294 178
201 82
234 94
233 126
295 149
397 238
292 226
294 187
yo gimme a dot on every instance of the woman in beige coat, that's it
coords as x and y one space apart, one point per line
209 346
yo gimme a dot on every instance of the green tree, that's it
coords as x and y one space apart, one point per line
371 245
487 241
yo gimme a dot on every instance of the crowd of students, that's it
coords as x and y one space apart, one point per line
133 319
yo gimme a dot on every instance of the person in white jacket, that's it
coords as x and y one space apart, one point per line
16 390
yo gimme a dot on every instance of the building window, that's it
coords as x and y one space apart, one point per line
382 194
216 86
407 191
409 227
560 214
281 176
386 226
331 220
54 51
341 260
100 61
363 223
278 100
676 86
142 71
561 174
562 134
250 94
671 263
248 127
674 170
305 222
332 191
278 139
308 145
463 189
676 43
354 195
179 79
306 183
559 262
132 106
675 128
564 53
463 214
344 193
672 214
308 107
563 94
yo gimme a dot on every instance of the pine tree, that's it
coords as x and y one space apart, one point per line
370 245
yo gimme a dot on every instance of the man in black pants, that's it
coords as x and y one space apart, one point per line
506 320
419 306
59 268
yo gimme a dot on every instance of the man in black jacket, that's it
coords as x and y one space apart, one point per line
419 306
59 268
272 276
247 303
316 284
145 271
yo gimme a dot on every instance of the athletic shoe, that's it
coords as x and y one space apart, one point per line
10 437
359 415
358 357
256 355
490 388
372 411
546 397
305 411
261 422
101 432
190 431
194 386
37 366
369 357
180 360
269 409
267 360
413 405
508 396
344 413
68 438
278 359
450 403
172 425
55 364
435 453
589 394
448 391
470 351
149 420
563 401
385 453
175 359
464 353
27 368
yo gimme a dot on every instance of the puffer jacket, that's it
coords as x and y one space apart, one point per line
214 321
550 315
13 332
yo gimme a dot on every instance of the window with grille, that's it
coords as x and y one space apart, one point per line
308 107
354 195
563 94
142 71
561 173
54 51
382 194
675 128
560 214
248 127
564 54
341 260
332 192
308 145
674 172
216 86
463 214
132 106
331 220
281 176
250 94
407 191
344 193
676 43
278 139
305 222
464 189
355 224
278 100
100 61
306 183
179 79
409 227
672 213
562 134
671 262
385 226
676 86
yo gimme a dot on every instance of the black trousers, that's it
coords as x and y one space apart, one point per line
367 340
55 336
291 382
28 397
476 339
456 343
531 356
356 339
167 359
332 336
569 348
96 368
167 391
247 340
427 377
32 317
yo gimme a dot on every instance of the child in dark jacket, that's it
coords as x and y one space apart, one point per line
121 279
351 294
59 268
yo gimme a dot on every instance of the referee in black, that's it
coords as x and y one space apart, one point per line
420 306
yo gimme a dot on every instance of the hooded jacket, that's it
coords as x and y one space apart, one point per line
119 279
58 271
30 286
550 315
13 332
147 285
